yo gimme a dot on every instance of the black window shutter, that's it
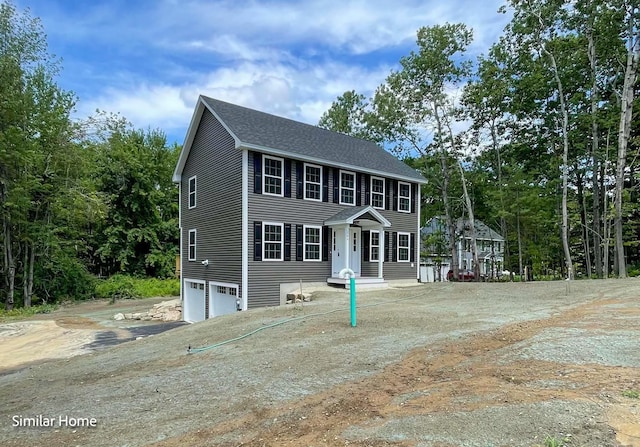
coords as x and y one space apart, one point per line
367 189
257 241
394 249
358 189
257 173
336 185
287 242
412 248
299 243
287 177
326 237
299 180
325 184
366 239
414 197
395 195
389 191
387 246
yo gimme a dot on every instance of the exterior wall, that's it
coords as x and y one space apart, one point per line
217 216
265 277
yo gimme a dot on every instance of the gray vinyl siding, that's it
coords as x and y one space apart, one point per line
265 277
217 216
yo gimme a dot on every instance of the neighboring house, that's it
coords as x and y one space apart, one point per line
267 203
435 248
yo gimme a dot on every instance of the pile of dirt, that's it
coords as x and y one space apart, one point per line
436 365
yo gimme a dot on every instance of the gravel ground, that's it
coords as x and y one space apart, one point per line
434 365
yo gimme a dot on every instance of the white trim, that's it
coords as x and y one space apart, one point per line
371 245
340 187
304 183
418 233
194 192
264 175
245 230
304 243
408 246
404 197
195 245
371 193
181 240
264 241
349 221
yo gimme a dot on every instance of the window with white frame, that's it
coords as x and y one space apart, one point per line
404 197
374 246
312 182
192 192
272 241
347 188
377 192
222 289
403 247
192 245
272 175
312 243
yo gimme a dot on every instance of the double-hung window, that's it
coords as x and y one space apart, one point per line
374 246
272 241
404 197
377 192
192 245
192 192
272 175
312 182
312 243
403 247
347 188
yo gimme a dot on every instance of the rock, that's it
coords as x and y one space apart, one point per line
118 317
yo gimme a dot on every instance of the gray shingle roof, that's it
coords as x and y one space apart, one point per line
259 129
483 231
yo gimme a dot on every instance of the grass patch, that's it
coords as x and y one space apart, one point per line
127 287
631 394
24 312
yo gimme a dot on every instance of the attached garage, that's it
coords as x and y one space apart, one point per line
194 306
223 299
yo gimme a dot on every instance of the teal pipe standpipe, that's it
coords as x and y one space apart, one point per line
352 286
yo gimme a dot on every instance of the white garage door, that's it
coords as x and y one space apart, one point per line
223 299
194 300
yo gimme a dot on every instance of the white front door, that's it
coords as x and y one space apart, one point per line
355 255
337 251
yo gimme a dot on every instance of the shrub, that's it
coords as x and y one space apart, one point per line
23 312
128 287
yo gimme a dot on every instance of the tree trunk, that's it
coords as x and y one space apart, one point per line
472 225
29 261
583 221
596 226
10 274
519 245
624 131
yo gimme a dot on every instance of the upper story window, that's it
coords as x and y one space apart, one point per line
272 175
374 246
347 188
192 192
192 245
377 192
312 243
404 197
272 241
312 182
403 247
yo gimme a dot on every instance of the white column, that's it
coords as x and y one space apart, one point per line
380 252
346 246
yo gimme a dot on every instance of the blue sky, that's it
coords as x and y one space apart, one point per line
150 59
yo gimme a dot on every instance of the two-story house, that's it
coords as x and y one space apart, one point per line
267 202
435 247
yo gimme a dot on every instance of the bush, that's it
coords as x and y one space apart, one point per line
23 312
128 287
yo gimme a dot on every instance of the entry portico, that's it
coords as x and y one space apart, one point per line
346 241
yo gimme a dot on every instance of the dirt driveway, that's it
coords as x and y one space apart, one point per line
436 365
